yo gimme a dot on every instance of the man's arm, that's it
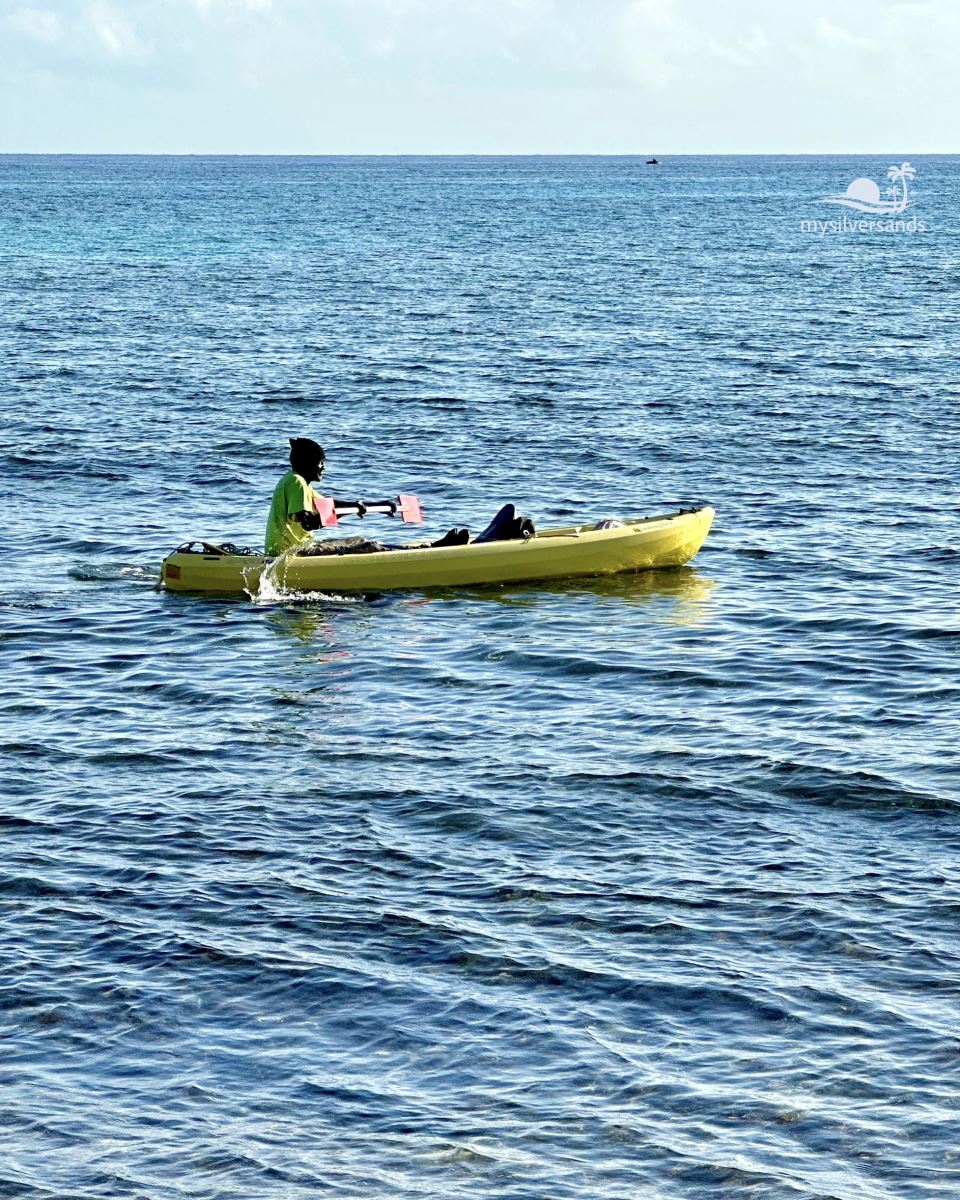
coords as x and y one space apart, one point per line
307 520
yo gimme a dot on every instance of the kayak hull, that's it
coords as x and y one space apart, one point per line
636 545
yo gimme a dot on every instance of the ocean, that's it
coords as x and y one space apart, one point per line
638 886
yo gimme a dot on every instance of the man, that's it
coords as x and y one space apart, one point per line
293 513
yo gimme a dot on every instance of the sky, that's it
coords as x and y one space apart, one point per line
479 76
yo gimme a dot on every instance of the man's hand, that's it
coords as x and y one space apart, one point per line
308 520
347 507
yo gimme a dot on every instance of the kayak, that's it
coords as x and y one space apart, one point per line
604 548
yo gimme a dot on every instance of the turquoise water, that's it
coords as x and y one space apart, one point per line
641 886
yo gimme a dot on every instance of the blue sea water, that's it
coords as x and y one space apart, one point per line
645 886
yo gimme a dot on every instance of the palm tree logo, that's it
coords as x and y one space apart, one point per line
864 195
900 175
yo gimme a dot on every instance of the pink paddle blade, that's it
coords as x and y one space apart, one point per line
328 514
409 508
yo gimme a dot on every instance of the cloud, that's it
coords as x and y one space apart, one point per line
660 43
39 24
652 37
757 42
253 6
115 33
352 75
833 35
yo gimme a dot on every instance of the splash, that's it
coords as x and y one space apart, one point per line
267 589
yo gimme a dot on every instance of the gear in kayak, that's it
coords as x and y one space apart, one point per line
506 526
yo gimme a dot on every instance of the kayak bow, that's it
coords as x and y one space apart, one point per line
601 549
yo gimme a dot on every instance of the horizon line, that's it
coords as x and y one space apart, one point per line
470 154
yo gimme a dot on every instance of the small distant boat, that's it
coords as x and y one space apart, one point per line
653 162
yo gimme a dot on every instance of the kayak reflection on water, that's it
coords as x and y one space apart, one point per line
688 589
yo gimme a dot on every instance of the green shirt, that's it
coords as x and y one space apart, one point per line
291 495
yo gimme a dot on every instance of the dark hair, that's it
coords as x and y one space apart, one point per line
306 450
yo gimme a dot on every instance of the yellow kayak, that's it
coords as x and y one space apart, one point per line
604 548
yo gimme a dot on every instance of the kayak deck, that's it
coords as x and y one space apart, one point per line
635 545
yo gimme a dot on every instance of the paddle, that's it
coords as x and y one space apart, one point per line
405 506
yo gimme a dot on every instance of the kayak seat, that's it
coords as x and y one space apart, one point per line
506 526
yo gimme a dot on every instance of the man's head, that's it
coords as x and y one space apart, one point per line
307 458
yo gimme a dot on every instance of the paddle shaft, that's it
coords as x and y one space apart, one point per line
406 506
346 509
